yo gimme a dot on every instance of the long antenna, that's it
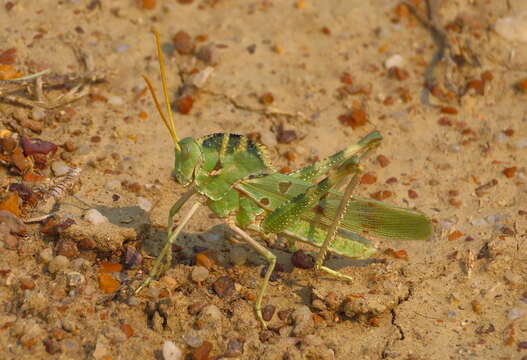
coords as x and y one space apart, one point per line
170 121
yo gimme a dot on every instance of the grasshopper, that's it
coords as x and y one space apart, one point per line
233 176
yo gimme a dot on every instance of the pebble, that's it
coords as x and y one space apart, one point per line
199 79
171 351
80 264
268 139
513 279
121 48
133 301
513 28
113 185
303 320
234 348
38 113
238 255
144 204
515 313
500 137
208 54
60 168
302 260
114 334
199 274
115 100
192 340
83 149
202 352
46 255
58 263
521 144
224 286
268 312
75 279
210 314
394 61
95 217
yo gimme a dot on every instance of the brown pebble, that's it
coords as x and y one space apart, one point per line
383 160
183 43
268 312
68 248
285 136
95 139
19 160
195 308
224 286
284 314
266 335
52 346
27 284
234 348
412 194
70 146
398 73
302 260
356 118
203 351
87 244
208 54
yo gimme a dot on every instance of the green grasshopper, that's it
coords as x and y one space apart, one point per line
233 176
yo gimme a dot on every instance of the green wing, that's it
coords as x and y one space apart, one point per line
363 215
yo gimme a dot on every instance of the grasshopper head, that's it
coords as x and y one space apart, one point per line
188 158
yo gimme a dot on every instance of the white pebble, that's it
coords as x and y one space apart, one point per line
95 217
478 222
521 144
38 113
500 137
268 138
513 279
75 279
199 274
394 60
199 79
238 255
113 185
60 168
144 204
171 351
192 340
46 255
115 100
513 28
121 48
515 313
58 263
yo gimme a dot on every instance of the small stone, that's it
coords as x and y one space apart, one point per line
208 54
59 262
183 43
46 255
199 274
515 313
192 340
303 320
171 351
302 260
513 28
75 279
268 312
234 348
68 248
115 100
268 139
394 61
27 284
70 146
224 286
121 48
202 352
133 301
38 113
210 314
80 264
144 204
199 79
113 185
238 255
521 144
513 279
95 217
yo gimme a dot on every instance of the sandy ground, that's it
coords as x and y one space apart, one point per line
457 155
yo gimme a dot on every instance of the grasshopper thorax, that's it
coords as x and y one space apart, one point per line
187 159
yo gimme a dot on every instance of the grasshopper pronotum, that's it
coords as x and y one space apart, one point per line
233 176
